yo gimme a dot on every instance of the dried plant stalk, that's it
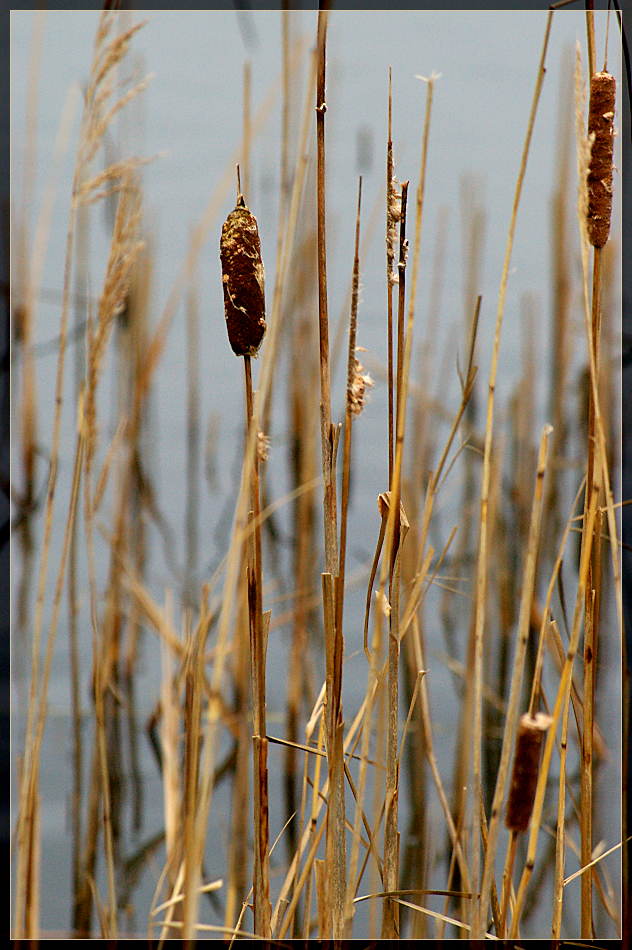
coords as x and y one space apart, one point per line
601 125
243 280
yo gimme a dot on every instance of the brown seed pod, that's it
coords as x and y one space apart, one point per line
243 280
601 123
524 778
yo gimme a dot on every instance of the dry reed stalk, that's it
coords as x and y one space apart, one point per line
124 250
304 414
240 534
546 613
238 853
191 849
392 212
590 37
336 851
496 645
391 532
247 126
526 598
356 383
560 829
393 542
479 904
258 643
599 211
473 244
560 346
94 125
373 683
280 927
563 689
244 306
313 821
170 760
353 405
327 429
415 593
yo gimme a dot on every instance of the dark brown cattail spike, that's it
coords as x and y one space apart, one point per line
243 280
601 124
526 766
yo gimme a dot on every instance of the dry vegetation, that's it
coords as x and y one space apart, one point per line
521 792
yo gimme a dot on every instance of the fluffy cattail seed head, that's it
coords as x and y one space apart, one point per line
601 125
360 382
524 778
243 280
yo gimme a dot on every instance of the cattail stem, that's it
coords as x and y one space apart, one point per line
390 916
599 182
507 876
346 465
261 885
479 903
590 35
327 435
336 849
389 272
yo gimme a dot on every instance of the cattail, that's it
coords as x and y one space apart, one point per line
601 124
243 280
360 382
526 766
393 214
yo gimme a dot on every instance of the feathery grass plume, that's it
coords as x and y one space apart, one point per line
243 280
524 777
601 125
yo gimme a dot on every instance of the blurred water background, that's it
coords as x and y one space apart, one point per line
190 117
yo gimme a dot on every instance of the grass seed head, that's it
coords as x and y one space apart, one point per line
601 126
243 280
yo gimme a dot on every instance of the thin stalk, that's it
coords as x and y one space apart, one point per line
590 37
563 688
327 437
479 903
511 718
336 851
510 859
346 464
261 886
236 885
591 622
247 130
390 912
390 253
560 829
234 557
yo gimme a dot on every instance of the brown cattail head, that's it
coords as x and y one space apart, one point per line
601 124
243 280
524 778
